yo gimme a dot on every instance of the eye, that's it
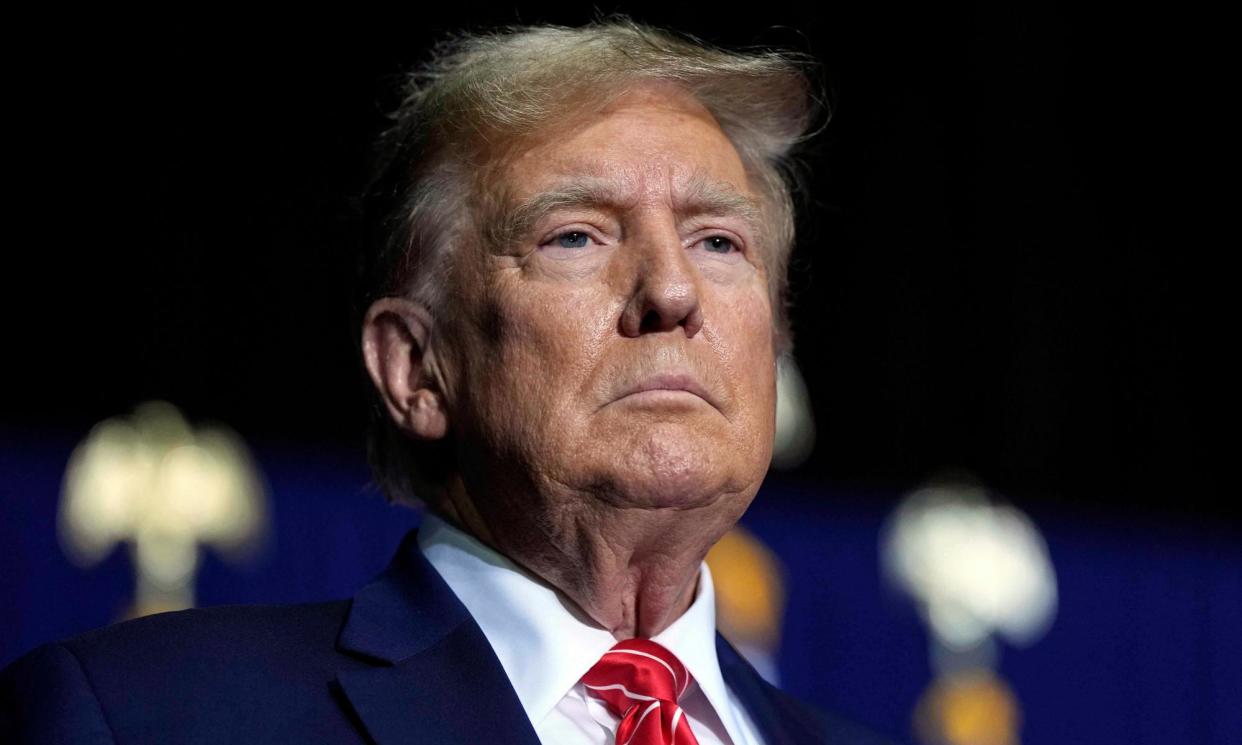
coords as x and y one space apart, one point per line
718 244
574 243
572 239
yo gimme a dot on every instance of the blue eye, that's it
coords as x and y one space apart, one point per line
572 239
718 244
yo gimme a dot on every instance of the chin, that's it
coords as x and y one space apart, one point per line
664 466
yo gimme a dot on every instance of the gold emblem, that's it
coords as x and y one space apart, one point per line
152 482
750 597
977 570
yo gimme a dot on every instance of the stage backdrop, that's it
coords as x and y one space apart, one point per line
1146 646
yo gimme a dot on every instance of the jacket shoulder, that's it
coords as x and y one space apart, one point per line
252 667
782 717
224 633
45 696
833 729
821 726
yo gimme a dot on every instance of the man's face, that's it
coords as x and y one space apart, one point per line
617 337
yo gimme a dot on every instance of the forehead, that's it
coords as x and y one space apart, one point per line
656 142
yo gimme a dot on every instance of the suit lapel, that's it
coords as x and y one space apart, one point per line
449 693
434 677
761 700
430 675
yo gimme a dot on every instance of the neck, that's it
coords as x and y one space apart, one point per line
632 570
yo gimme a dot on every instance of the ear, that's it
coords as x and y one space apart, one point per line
396 346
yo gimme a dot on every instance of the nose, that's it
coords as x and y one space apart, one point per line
666 291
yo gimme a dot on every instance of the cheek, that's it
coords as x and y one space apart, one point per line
540 345
559 328
744 342
745 338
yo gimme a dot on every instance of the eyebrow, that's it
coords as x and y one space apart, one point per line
700 196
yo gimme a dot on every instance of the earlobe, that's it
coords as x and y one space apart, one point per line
396 347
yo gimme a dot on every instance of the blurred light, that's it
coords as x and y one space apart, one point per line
975 568
750 598
154 483
975 708
795 426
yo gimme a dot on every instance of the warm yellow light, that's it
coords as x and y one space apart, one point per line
968 708
795 425
976 568
163 488
750 596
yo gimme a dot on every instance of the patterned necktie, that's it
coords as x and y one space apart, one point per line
640 681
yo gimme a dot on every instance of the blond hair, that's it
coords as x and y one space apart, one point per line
484 93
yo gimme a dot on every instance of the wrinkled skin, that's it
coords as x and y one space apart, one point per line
607 373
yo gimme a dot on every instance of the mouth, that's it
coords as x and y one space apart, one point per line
667 389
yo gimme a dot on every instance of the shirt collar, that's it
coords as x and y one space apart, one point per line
543 642
692 638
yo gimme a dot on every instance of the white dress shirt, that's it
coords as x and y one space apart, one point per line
546 645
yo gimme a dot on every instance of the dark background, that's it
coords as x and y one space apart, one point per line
999 267
1004 266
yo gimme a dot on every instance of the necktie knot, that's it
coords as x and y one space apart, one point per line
640 681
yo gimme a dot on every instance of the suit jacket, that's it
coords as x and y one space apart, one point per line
402 662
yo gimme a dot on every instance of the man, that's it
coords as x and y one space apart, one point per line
577 307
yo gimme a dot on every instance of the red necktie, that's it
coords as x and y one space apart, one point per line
640 681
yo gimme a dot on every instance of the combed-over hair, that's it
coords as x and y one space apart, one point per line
481 96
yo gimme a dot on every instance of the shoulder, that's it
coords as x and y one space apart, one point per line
137 676
222 634
829 727
782 715
206 643
815 723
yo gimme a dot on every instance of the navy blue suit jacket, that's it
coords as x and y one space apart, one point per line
402 662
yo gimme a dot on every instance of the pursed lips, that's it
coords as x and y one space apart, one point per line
674 382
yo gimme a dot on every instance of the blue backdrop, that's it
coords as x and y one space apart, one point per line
1146 646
